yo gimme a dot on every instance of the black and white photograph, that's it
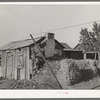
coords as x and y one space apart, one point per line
49 47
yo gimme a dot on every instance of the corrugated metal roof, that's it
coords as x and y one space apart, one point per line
66 46
19 44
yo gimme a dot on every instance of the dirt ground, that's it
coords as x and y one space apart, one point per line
12 84
89 85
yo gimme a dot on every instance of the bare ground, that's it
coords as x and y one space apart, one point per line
12 84
90 85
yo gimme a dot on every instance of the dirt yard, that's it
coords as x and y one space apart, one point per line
72 74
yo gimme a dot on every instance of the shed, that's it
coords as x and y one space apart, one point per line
18 56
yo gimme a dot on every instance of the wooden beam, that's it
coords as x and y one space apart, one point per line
46 62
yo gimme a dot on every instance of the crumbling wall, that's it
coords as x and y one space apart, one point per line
88 69
68 73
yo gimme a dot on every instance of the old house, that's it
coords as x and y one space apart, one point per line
87 55
70 53
17 56
73 54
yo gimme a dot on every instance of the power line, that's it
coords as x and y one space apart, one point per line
73 26
63 28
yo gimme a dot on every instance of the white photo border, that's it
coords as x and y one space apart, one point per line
49 93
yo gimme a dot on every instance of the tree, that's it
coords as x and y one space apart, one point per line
90 41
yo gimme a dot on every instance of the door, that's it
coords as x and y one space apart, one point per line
18 73
20 65
9 66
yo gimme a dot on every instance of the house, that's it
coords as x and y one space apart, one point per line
70 53
73 54
87 55
18 56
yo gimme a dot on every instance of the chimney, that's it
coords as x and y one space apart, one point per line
50 45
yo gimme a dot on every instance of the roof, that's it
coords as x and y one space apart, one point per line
76 46
92 52
72 50
20 44
79 46
28 42
66 46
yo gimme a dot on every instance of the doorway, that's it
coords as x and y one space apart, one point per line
20 65
9 65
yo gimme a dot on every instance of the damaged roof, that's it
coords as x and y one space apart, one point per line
28 42
20 44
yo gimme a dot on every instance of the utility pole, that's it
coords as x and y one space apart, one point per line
46 62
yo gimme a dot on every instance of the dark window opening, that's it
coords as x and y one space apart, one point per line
92 56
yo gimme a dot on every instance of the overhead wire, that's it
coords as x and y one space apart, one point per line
74 25
57 29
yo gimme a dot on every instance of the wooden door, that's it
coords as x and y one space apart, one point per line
9 66
20 62
18 73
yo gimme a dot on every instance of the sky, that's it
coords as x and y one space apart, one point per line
17 22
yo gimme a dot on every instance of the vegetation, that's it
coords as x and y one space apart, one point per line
90 40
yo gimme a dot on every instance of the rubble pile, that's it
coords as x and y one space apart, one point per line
24 84
46 77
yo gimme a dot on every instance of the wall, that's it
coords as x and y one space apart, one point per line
58 49
73 55
20 60
3 63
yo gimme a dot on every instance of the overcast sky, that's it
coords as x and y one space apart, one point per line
18 21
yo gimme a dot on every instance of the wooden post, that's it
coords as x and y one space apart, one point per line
99 56
6 65
84 56
95 55
46 62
